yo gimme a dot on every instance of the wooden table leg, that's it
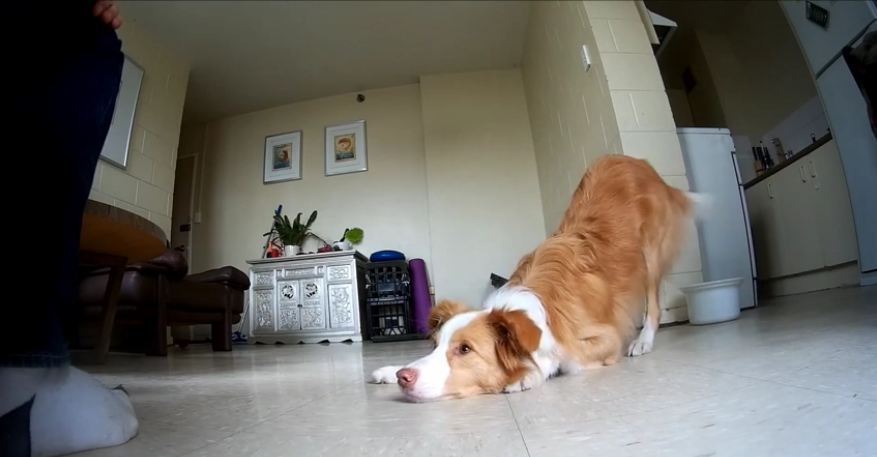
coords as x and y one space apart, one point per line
156 325
111 302
111 298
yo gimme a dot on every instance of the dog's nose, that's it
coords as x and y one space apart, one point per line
406 377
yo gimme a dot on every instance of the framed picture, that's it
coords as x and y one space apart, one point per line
345 148
282 157
115 149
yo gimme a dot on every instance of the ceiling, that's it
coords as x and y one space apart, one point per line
247 56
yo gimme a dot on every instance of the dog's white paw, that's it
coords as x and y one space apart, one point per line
384 375
526 383
518 386
640 346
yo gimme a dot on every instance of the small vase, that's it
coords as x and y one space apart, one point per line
291 250
343 245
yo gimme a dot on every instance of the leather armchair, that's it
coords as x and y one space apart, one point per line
158 293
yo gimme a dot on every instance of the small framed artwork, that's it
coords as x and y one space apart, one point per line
345 148
282 157
115 148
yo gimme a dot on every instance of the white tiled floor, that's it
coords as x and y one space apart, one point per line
797 377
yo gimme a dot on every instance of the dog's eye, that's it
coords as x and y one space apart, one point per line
465 349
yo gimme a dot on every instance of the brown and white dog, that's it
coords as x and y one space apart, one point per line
573 303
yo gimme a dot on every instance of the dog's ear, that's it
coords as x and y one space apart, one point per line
445 310
517 338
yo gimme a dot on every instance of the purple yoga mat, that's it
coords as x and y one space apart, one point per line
420 294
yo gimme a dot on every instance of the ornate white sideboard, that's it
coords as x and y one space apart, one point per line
306 298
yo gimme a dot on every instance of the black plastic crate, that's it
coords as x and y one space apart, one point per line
387 281
389 321
388 302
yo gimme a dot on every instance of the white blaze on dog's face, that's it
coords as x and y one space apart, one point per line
476 352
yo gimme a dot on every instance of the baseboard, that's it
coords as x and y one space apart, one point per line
829 278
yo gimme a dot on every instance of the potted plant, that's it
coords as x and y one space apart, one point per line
293 234
351 237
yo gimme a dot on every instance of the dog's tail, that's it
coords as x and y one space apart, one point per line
701 204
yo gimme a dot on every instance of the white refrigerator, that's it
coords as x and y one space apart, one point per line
723 221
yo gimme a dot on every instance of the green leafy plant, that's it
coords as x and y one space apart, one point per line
293 233
353 235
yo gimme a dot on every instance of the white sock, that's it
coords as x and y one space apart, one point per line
72 411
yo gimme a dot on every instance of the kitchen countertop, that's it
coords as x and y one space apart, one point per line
798 155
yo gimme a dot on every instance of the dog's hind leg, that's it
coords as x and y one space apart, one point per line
601 345
644 343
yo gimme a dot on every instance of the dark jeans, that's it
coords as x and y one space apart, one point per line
63 96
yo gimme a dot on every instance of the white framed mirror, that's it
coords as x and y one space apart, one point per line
115 149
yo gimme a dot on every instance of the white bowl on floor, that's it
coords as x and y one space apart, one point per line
714 301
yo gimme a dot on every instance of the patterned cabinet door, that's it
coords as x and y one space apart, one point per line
313 309
288 299
263 321
341 305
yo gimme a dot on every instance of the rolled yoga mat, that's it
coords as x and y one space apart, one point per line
419 294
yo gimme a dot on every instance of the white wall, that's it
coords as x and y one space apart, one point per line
484 206
146 186
388 201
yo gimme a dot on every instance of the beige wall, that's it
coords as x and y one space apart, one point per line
192 137
680 108
455 175
703 100
484 206
388 201
750 70
619 106
646 125
570 110
191 140
146 186
451 179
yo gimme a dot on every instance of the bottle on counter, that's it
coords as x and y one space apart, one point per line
768 161
780 152
759 161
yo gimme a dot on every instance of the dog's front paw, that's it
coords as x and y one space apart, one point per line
640 346
384 375
526 383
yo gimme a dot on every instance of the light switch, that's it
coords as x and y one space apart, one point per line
586 58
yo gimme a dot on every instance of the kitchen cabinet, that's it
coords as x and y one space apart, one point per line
837 230
801 219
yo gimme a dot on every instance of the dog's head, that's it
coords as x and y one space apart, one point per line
475 352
